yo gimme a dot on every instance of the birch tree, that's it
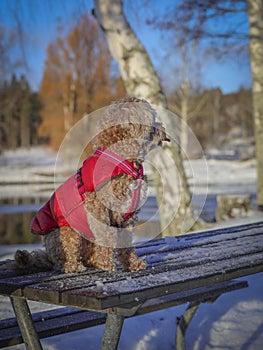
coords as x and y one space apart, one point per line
255 12
141 80
232 39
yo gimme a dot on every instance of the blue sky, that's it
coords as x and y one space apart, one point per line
39 20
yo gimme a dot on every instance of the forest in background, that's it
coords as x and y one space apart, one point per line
80 76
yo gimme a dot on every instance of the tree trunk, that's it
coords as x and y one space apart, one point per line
184 115
24 130
141 80
216 105
255 11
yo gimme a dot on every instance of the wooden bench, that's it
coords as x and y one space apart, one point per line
193 268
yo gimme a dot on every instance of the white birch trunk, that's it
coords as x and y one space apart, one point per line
255 11
142 81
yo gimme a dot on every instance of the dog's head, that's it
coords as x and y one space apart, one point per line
129 127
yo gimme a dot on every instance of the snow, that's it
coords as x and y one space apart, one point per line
224 176
27 165
233 321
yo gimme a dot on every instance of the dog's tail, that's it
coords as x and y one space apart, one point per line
36 259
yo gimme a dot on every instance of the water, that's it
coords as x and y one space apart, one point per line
15 218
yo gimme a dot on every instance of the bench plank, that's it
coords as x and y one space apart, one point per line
50 323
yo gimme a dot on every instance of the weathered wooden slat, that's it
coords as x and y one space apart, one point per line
213 250
180 243
198 295
14 284
229 230
50 323
51 291
41 316
7 268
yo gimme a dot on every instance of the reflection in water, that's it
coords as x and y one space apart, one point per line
18 204
15 218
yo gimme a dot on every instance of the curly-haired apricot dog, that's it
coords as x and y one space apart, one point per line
89 219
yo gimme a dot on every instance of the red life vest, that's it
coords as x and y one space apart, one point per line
66 205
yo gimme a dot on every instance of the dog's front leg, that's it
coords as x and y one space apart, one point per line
102 258
102 253
126 252
71 243
130 260
108 240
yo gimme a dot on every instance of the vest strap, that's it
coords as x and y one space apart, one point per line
118 161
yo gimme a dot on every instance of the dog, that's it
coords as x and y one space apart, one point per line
89 220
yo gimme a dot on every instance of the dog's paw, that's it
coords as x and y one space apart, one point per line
22 258
109 267
136 265
74 267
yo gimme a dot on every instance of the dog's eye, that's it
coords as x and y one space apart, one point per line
152 133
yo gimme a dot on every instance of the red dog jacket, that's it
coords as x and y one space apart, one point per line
66 206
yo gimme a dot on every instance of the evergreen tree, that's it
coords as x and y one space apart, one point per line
20 114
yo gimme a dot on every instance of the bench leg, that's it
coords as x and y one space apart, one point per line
112 332
26 324
183 325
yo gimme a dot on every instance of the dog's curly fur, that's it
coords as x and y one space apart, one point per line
128 128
